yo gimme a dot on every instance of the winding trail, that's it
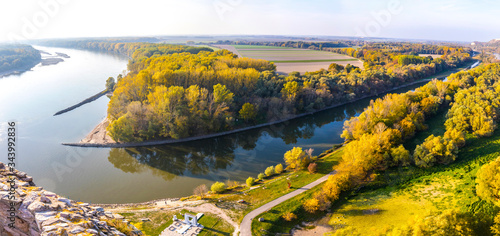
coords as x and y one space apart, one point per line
246 224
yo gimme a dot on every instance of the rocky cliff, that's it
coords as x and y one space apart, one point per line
26 209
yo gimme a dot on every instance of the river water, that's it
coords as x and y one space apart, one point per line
105 175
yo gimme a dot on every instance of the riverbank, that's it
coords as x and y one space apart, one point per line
19 70
98 137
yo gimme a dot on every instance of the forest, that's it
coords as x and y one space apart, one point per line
175 91
296 44
18 57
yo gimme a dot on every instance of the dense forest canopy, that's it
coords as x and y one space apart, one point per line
18 57
175 91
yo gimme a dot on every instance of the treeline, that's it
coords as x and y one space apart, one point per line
131 48
406 54
18 57
170 95
295 44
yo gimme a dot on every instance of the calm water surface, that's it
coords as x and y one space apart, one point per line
104 175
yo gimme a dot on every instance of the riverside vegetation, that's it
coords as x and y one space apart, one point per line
175 91
17 58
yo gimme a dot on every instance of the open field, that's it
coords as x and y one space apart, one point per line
292 59
311 66
432 55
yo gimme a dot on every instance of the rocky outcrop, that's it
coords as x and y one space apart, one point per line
33 211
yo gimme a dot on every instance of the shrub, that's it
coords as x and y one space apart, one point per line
232 184
289 216
312 168
250 181
269 171
278 169
261 176
218 187
495 228
311 205
323 201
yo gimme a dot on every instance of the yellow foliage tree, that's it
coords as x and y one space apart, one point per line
296 158
488 182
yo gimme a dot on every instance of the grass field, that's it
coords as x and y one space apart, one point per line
159 220
258 47
324 60
276 187
292 59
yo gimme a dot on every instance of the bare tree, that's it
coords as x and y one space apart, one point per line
200 190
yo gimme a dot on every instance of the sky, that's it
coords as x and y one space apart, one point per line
451 20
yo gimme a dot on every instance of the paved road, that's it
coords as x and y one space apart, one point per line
246 224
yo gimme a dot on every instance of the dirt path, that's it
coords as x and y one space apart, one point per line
246 224
319 230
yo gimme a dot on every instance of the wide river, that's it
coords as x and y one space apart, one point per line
106 175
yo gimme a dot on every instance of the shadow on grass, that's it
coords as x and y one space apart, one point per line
209 231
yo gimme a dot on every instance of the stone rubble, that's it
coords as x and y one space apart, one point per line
42 213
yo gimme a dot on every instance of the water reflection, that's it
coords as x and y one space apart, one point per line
203 157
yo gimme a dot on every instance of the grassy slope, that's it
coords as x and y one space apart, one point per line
402 194
278 186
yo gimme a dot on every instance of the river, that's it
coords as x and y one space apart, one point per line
125 175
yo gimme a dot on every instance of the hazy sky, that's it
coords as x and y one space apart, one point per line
457 20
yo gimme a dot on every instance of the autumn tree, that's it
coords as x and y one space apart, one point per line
296 158
248 112
435 150
311 205
488 182
279 168
290 90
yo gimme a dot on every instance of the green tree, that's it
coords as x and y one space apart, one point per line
435 149
122 130
222 95
260 176
110 84
401 156
248 112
